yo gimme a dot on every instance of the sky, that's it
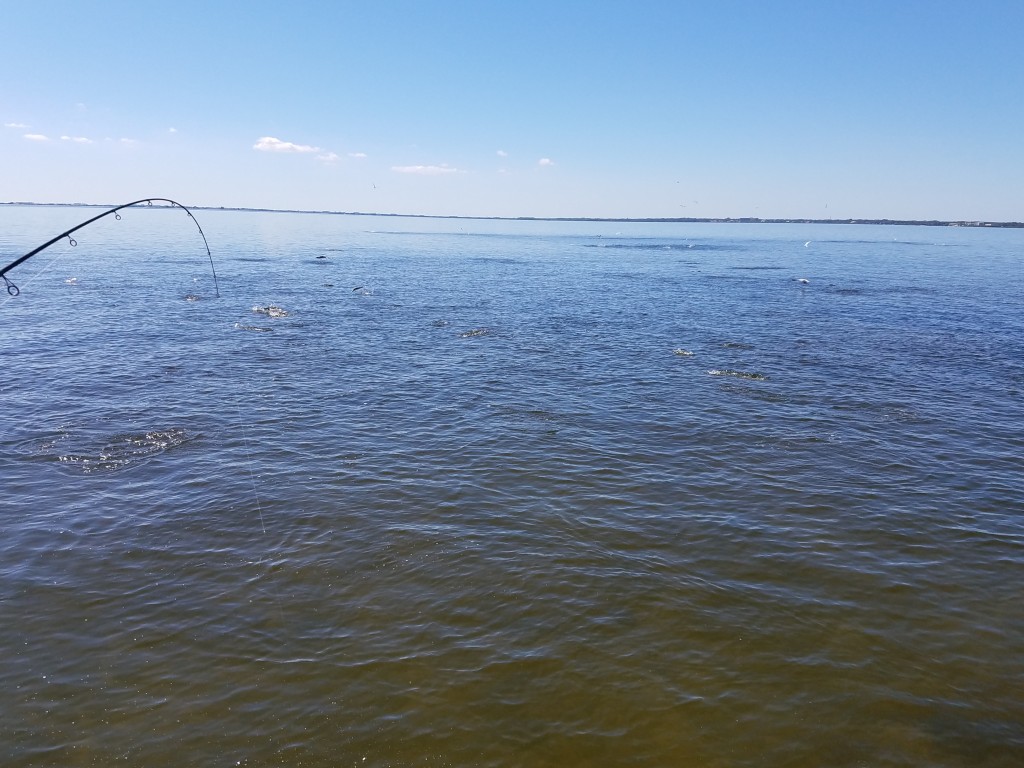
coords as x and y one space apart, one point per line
896 109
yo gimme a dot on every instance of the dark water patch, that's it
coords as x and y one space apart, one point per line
884 412
249 259
844 291
766 267
496 260
742 345
731 278
910 243
880 290
756 393
521 413
666 246
909 290
652 281
628 276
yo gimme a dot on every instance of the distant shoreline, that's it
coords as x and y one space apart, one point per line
624 220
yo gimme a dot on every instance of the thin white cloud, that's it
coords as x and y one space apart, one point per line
327 157
172 130
271 144
129 142
545 161
20 126
76 139
357 154
36 137
502 153
424 170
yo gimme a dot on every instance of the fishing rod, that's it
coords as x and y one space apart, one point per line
13 290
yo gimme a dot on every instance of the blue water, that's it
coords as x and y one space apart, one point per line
510 493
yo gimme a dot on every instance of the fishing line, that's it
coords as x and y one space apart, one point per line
13 289
46 268
252 477
259 509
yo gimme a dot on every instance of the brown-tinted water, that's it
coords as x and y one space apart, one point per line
482 512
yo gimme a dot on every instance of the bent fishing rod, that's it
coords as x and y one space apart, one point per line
13 290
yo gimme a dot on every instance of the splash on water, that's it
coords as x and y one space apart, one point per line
753 376
271 310
115 452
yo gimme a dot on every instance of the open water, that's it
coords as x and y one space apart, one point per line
493 493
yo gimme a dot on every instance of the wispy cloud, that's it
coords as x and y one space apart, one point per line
172 130
271 144
357 154
20 126
545 161
327 157
130 142
76 139
502 153
424 170
36 137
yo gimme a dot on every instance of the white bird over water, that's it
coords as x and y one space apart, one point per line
803 281
807 244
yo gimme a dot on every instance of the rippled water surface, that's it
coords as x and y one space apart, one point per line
476 493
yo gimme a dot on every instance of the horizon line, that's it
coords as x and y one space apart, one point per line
611 219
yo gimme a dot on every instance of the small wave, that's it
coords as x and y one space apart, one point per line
524 413
119 451
473 333
256 328
753 376
682 352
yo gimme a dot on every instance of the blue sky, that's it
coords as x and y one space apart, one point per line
605 109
